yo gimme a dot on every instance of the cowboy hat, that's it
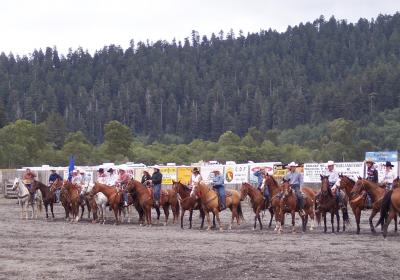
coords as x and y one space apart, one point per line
369 160
195 169
110 170
388 163
330 162
292 164
156 167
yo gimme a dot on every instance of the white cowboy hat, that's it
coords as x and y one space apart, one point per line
156 167
75 171
123 167
292 164
369 160
330 162
81 170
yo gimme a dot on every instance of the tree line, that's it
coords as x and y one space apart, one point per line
176 92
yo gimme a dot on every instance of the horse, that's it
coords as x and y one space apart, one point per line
257 201
24 197
376 193
390 207
74 199
209 201
187 203
167 198
114 198
329 204
144 199
274 194
288 204
48 196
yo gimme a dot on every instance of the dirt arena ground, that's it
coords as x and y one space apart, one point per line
39 249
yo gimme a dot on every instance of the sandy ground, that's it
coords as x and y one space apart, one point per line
40 249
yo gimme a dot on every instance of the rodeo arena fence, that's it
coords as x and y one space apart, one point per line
234 174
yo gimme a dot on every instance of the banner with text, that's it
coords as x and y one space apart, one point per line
236 174
312 171
268 167
184 174
169 174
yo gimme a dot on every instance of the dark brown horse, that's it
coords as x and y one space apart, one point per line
376 192
329 204
49 197
187 203
143 196
114 197
390 207
288 204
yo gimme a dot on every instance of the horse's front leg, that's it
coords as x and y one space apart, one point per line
208 220
332 220
371 225
395 223
271 211
47 211
338 220
293 221
166 213
325 227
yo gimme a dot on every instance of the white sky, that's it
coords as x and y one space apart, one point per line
92 24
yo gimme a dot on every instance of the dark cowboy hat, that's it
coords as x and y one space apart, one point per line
195 169
110 170
101 170
388 163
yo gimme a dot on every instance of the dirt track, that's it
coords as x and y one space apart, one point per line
39 249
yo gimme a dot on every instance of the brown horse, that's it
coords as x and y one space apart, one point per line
114 197
144 198
209 201
288 204
390 207
74 198
167 198
257 201
376 192
274 194
187 203
48 195
328 204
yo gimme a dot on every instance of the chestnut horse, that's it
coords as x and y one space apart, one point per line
167 198
376 192
114 198
390 207
74 198
209 201
187 203
143 197
328 204
288 204
274 194
48 196
257 201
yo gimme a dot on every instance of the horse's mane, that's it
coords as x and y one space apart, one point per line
273 179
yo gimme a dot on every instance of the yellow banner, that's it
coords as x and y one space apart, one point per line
169 174
184 174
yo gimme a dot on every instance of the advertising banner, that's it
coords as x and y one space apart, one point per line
380 158
254 167
169 174
312 171
205 171
184 175
236 174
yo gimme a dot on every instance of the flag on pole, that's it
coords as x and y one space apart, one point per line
71 167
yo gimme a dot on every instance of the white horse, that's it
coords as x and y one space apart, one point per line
100 199
24 199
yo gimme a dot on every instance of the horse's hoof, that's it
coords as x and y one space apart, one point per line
254 228
311 228
221 229
165 224
208 228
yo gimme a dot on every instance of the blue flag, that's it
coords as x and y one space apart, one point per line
71 167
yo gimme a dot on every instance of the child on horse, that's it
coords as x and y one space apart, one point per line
372 175
123 180
295 181
218 185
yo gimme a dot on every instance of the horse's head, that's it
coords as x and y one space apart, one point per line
57 184
325 189
396 182
96 189
286 188
244 190
15 184
358 187
176 185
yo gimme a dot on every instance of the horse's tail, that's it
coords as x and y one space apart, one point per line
345 216
318 217
385 206
240 211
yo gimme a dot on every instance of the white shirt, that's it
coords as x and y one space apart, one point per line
389 177
112 179
76 179
196 179
333 176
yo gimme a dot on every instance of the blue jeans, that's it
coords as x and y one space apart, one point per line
157 192
125 195
58 193
300 200
221 193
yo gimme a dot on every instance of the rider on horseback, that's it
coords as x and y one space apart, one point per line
372 175
123 180
146 178
28 178
218 185
196 177
261 184
295 181
52 178
333 177
389 176
156 179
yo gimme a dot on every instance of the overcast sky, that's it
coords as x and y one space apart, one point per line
91 24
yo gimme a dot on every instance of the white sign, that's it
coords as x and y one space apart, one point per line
236 174
312 171
254 167
205 172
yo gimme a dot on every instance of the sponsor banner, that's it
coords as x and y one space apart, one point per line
184 175
169 174
391 156
268 167
236 174
279 172
312 171
206 170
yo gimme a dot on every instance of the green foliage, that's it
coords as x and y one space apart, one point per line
118 138
76 144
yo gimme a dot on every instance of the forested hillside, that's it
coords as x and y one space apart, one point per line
202 87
